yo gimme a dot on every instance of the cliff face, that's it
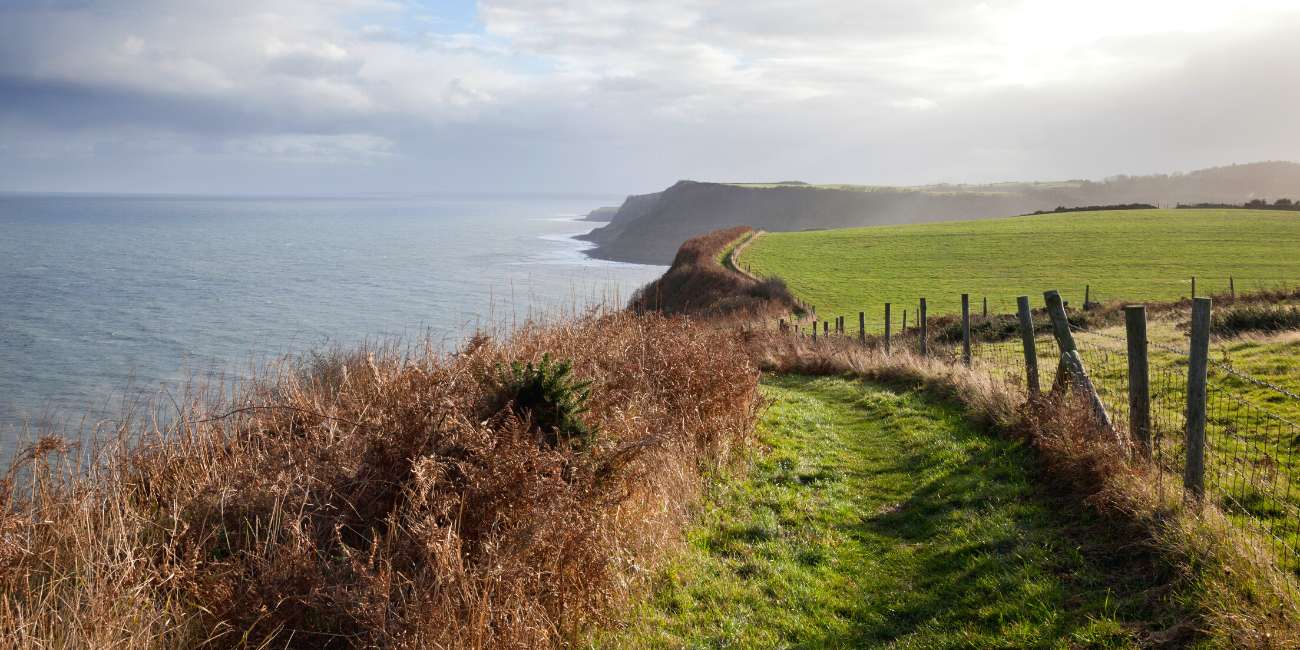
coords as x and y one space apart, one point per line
648 228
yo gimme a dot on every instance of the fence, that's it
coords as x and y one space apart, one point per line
1232 436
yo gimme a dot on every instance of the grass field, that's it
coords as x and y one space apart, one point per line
885 519
1129 254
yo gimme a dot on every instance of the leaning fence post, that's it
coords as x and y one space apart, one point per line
1139 380
1027 340
887 327
1072 363
862 327
1060 322
965 329
925 330
1197 369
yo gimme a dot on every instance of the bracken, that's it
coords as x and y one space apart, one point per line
378 498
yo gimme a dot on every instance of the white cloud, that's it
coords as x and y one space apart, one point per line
546 90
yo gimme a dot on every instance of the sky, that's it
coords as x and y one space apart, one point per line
625 96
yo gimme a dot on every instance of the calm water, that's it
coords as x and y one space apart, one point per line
105 297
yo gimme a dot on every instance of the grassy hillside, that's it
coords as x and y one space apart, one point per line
1131 254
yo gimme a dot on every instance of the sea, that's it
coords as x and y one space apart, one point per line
105 300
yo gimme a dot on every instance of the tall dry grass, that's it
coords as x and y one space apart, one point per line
1225 575
377 499
698 284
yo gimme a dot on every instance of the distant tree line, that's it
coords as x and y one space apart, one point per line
1091 208
1253 204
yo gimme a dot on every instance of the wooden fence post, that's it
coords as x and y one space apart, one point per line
1193 287
814 329
904 330
986 306
862 327
826 328
1072 364
887 327
1139 379
965 329
1232 289
1087 296
1027 339
925 330
1060 322
1198 362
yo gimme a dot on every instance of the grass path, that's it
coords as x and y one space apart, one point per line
883 519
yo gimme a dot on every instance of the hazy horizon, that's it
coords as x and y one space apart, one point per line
348 97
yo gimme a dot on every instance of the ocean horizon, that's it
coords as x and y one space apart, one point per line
109 299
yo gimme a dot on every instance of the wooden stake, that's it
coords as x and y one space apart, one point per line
965 329
1139 380
887 326
1027 341
923 322
1198 363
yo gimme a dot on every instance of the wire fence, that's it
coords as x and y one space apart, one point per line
1251 435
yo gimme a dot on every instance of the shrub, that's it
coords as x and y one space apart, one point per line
1254 318
549 395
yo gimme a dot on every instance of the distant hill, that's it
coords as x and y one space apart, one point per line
648 228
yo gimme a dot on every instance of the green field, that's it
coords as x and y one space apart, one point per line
1131 255
884 519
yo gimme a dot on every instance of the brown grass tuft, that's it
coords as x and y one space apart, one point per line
378 499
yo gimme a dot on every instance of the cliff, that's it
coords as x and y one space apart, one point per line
648 228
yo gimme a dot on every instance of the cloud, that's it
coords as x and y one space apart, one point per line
629 95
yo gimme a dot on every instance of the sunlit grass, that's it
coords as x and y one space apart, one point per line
879 518
1130 255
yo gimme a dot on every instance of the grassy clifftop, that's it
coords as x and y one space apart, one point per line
1129 254
649 227
698 282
